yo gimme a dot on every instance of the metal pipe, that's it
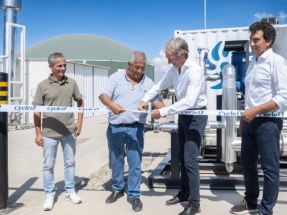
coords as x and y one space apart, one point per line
215 125
283 145
148 127
171 92
212 77
204 14
218 125
228 130
207 129
10 8
166 127
236 145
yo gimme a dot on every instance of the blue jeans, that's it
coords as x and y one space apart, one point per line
133 136
50 152
190 133
261 136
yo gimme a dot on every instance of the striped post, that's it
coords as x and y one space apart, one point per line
3 142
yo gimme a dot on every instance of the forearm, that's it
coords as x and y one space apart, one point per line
80 103
266 108
106 100
37 122
159 104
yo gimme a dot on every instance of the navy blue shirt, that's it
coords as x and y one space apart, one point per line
119 88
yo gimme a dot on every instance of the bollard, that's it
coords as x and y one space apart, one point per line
3 142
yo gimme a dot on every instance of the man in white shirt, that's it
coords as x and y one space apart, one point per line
188 81
266 91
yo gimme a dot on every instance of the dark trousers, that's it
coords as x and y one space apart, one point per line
261 136
190 133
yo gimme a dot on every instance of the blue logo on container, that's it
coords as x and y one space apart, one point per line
216 57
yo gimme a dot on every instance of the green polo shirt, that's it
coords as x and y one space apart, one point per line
51 93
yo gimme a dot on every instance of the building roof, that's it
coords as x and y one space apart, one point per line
81 46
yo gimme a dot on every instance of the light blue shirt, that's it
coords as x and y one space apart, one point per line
119 88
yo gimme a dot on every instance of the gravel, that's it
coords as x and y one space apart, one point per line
102 179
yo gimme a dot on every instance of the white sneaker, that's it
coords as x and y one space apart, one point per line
73 197
49 203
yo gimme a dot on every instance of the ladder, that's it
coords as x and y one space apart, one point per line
9 62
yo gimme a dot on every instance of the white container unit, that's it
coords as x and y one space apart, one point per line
214 40
90 80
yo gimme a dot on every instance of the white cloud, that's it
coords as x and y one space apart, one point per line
160 66
282 16
259 16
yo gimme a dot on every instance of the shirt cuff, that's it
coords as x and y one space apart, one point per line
35 103
145 99
164 111
279 101
79 98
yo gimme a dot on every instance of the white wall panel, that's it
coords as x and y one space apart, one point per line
100 78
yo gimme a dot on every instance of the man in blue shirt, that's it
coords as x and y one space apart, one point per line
125 90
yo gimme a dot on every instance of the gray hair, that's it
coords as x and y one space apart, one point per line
52 57
178 44
135 55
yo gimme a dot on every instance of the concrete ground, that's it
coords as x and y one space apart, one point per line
25 177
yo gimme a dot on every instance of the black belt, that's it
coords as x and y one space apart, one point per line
135 123
197 108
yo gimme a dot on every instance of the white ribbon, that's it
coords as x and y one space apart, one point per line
55 109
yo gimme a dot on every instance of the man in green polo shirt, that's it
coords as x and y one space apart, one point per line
58 90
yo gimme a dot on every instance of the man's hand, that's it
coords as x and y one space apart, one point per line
143 106
39 140
77 132
249 114
117 109
155 114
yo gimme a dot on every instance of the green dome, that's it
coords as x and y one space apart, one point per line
81 46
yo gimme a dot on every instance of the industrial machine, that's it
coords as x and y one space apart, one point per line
219 164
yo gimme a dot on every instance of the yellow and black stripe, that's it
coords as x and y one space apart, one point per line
3 93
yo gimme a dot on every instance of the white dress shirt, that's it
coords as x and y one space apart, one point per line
189 88
266 80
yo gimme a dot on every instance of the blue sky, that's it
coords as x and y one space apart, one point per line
142 25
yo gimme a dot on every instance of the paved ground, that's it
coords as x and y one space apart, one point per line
25 177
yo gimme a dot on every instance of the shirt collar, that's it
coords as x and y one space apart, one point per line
52 80
130 81
187 63
265 54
